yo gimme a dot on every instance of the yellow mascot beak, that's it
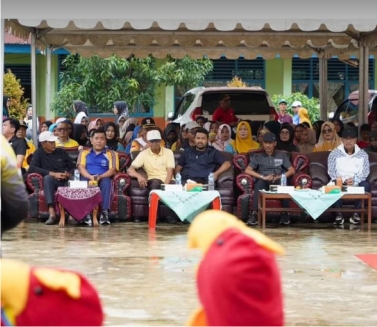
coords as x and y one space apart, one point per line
208 225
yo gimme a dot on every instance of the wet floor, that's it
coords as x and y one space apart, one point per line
146 279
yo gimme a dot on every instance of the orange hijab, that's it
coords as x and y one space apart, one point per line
244 145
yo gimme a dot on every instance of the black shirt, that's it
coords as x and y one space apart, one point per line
19 145
264 164
58 162
199 164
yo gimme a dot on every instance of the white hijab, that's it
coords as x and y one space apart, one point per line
79 117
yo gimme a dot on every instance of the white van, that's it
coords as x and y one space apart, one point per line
252 103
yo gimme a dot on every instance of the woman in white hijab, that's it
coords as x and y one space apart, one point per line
81 119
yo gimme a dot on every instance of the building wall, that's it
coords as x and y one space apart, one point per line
278 73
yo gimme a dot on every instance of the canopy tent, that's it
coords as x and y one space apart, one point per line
209 37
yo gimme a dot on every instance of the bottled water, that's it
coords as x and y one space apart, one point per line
76 175
283 180
178 179
211 182
356 180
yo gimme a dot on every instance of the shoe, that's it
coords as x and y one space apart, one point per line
339 220
285 220
104 218
171 220
88 220
51 220
253 219
355 219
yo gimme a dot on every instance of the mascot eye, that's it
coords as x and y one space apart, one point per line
38 290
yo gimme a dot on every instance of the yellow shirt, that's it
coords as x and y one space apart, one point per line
30 150
69 144
155 165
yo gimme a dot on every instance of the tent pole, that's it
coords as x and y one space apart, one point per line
323 87
34 87
48 83
2 59
363 85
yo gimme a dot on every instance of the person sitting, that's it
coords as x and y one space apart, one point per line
99 164
349 161
80 134
10 129
63 140
141 143
372 147
243 142
224 114
365 131
285 140
56 167
171 134
197 162
96 124
223 137
307 141
201 120
267 168
21 133
158 163
112 137
329 139
182 140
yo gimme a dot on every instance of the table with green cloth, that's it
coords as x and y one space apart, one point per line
315 202
186 205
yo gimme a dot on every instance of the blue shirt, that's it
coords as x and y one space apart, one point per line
97 164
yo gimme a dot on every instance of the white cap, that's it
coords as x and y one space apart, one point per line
192 125
297 104
47 137
154 135
59 120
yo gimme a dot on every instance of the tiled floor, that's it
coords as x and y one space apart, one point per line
146 279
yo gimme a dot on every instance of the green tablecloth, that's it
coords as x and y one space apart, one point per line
187 205
315 202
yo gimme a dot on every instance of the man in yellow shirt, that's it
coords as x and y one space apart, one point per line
63 140
158 162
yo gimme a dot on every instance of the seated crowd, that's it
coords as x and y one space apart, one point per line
202 143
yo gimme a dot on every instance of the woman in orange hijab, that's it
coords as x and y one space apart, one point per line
243 142
304 116
329 139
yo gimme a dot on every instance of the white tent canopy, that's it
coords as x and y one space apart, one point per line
232 29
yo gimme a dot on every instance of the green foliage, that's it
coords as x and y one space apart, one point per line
99 82
311 104
14 90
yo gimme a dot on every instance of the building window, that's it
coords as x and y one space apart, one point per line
342 78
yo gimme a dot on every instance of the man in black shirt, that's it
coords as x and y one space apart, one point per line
10 128
55 166
267 168
198 161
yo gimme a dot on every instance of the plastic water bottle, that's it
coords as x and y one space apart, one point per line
211 182
76 175
356 180
178 179
283 180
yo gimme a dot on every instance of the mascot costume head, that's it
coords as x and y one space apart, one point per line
238 280
39 296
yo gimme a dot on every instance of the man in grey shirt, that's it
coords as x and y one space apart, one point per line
267 169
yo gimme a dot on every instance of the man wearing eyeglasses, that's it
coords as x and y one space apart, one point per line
63 140
348 161
55 166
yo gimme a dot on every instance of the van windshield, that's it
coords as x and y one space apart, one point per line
184 104
243 103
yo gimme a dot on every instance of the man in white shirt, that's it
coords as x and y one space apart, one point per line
349 161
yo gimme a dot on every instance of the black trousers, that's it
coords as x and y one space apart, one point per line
50 185
261 184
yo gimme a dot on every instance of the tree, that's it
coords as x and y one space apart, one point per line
14 90
101 81
236 82
311 104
